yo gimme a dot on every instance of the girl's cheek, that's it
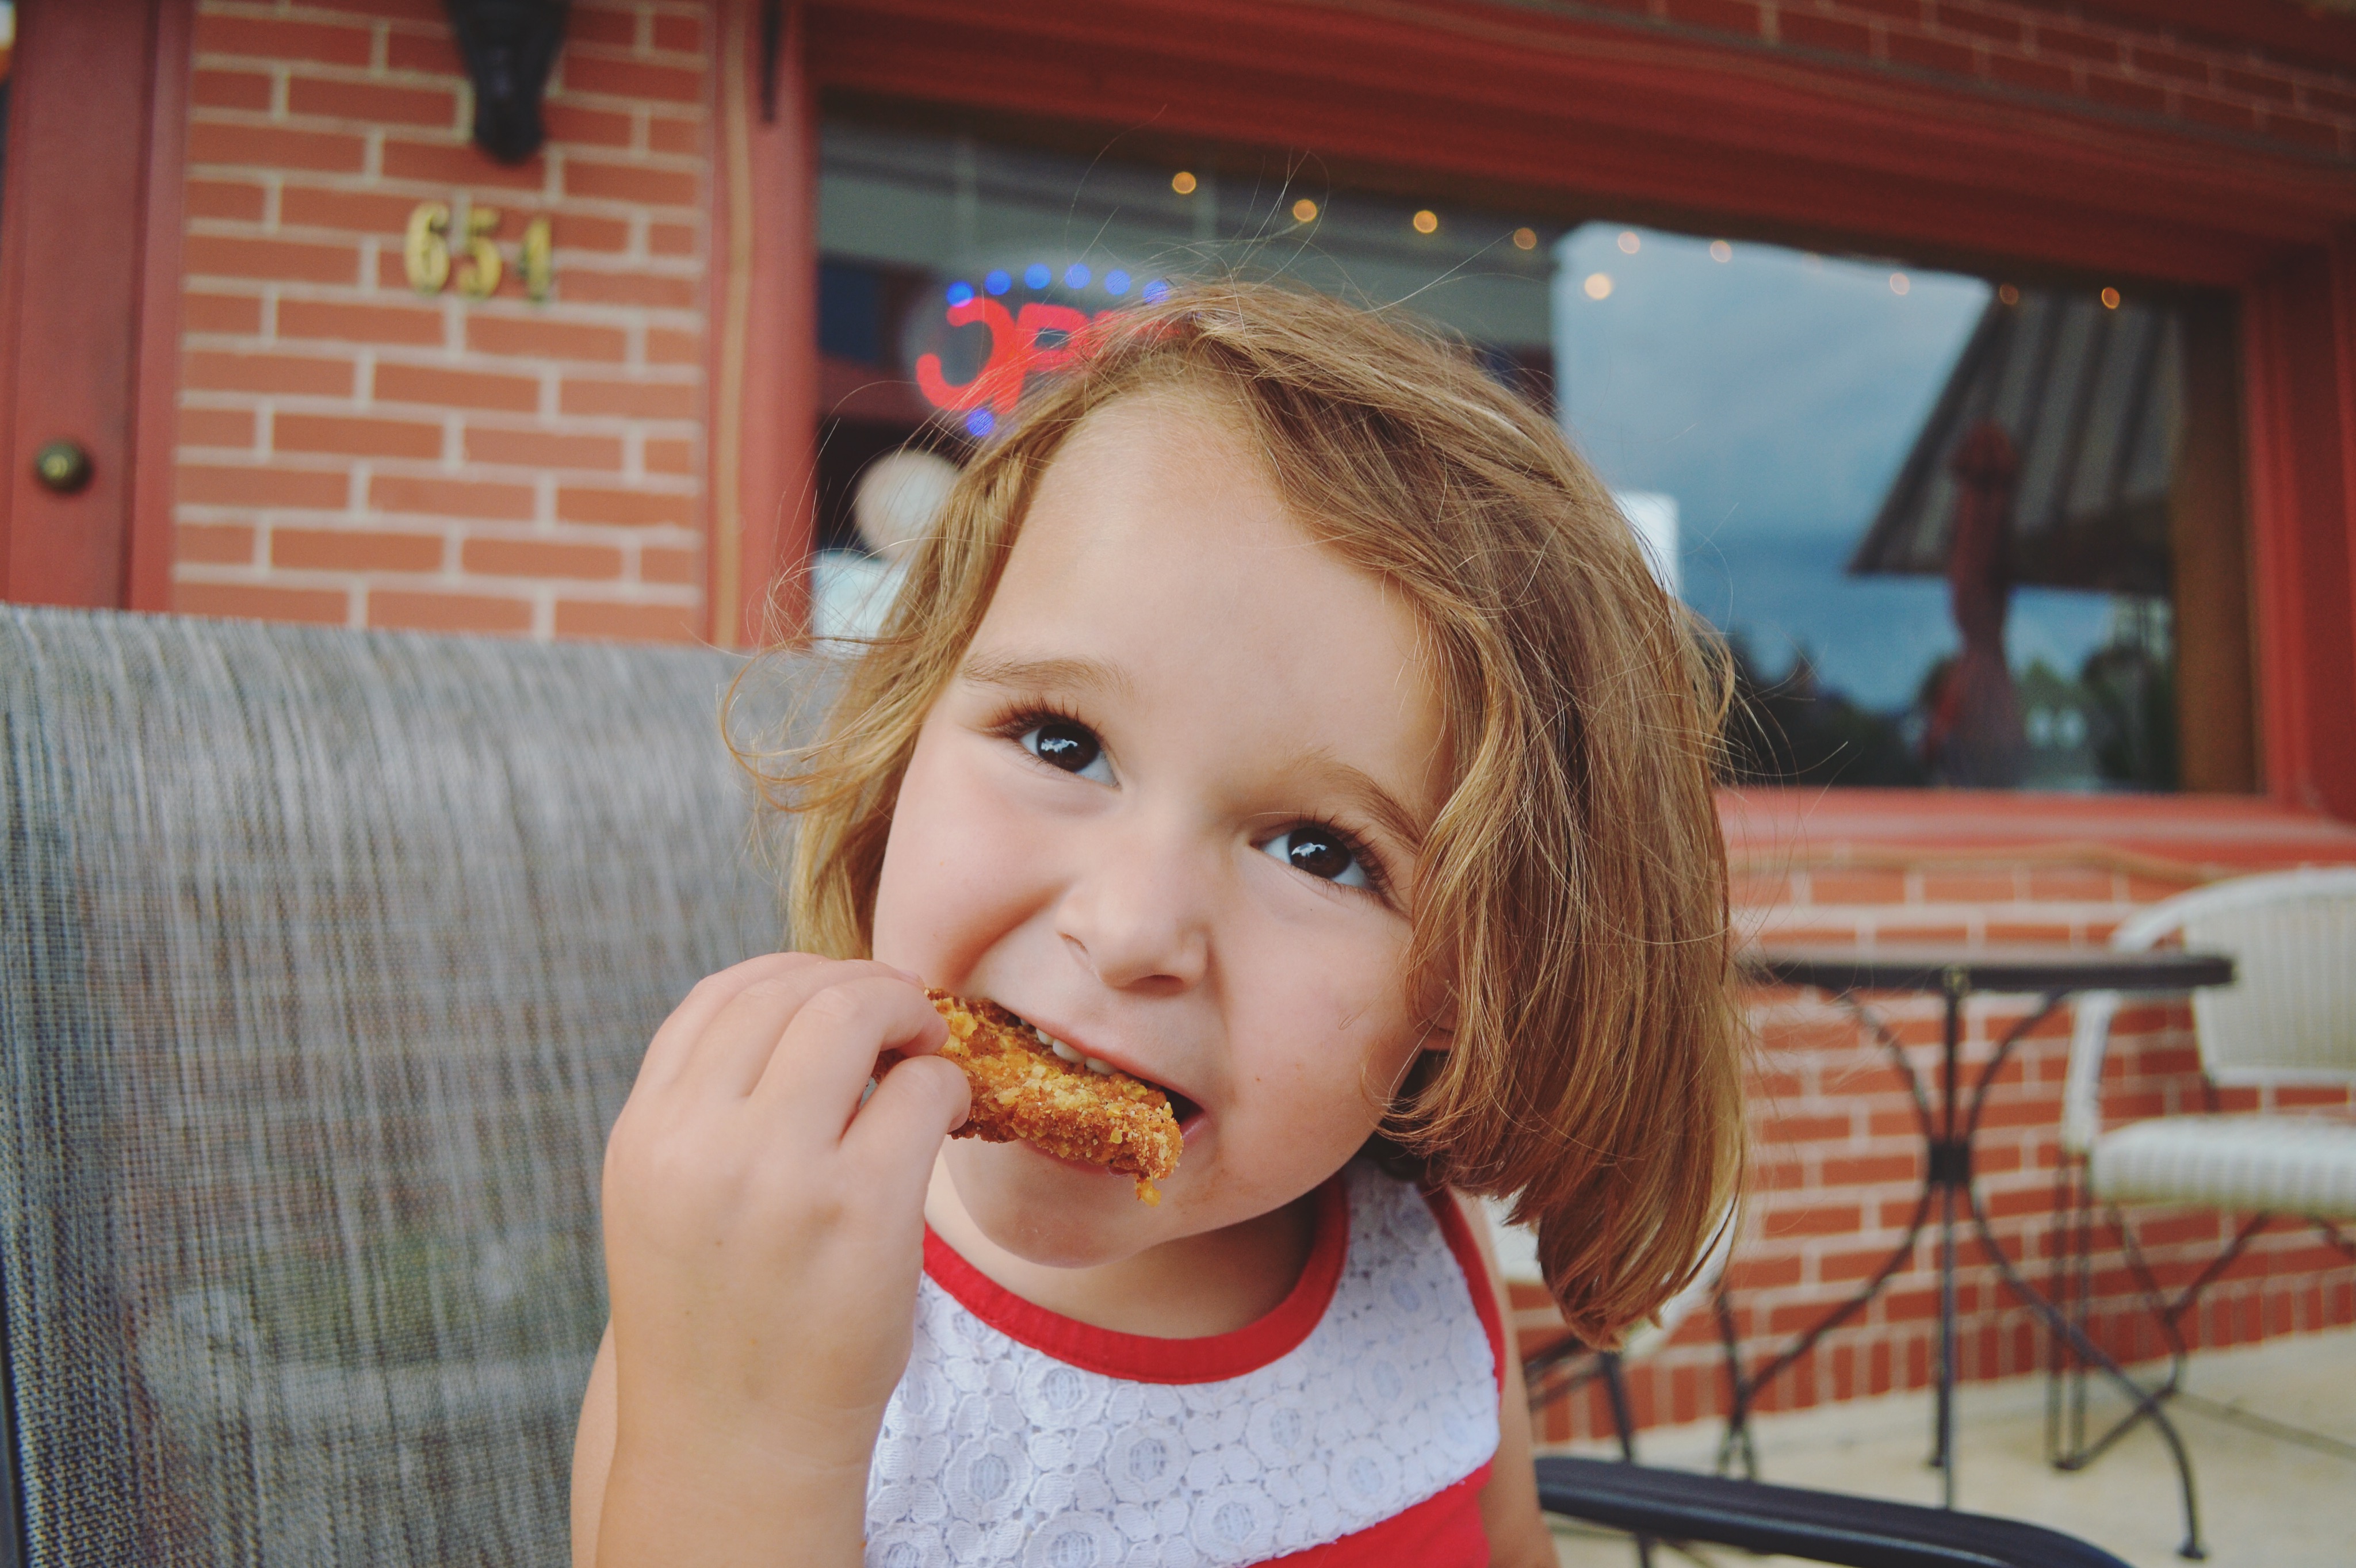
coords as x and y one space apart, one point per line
959 859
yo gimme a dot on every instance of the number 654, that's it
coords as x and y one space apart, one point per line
426 252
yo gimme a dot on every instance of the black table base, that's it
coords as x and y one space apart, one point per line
1948 1133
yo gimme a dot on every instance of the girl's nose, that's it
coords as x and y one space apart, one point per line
1138 918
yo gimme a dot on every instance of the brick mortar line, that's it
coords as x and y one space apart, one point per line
671 596
420 135
614 534
346 349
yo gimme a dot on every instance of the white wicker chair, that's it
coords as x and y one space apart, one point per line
2289 1019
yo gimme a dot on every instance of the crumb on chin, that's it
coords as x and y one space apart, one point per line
1023 1091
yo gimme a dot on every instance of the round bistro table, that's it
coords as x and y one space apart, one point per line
2054 974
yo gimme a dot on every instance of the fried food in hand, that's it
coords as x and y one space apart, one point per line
1022 1090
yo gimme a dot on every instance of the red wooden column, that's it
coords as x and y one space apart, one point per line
765 328
2299 350
90 287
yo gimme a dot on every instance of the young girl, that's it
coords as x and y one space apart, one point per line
1281 715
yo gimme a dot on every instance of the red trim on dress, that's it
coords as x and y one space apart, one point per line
1445 1531
1460 1241
1143 1358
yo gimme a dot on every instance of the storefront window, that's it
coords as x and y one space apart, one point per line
1932 512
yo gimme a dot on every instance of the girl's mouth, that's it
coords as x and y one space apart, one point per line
1183 1109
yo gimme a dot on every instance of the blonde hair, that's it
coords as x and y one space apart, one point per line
1570 907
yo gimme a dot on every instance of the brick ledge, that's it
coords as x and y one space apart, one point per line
2187 839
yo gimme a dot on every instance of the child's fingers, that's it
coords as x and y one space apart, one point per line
733 1048
675 1042
814 1076
896 1134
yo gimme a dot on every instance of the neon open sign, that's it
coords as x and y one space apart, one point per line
1026 341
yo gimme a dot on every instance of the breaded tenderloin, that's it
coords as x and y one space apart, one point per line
1023 1090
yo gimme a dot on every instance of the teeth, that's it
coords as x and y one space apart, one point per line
1066 1053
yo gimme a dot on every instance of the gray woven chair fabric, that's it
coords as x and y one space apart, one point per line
325 959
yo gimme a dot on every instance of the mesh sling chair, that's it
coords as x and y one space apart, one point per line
325 959
2290 1019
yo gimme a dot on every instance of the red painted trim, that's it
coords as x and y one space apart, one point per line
1459 1235
1621 115
1771 829
148 584
1141 1357
1445 1531
2299 350
83 115
764 596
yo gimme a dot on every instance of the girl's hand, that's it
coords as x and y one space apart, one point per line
763 1236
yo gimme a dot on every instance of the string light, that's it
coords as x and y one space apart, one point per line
1182 183
2007 293
1304 211
1427 221
1899 284
1720 251
1598 285
2110 299
1526 239
1628 243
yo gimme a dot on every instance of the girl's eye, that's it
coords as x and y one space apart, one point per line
1322 852
1074 747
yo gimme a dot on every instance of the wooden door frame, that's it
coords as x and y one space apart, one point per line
90 296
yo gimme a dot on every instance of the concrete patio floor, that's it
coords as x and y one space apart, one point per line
2268 1500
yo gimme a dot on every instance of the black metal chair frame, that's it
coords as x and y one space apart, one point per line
1672 1505
1823 1526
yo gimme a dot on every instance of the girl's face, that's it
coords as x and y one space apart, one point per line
1168 812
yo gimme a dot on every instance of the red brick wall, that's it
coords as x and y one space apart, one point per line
1839 1160
354 453
2076 56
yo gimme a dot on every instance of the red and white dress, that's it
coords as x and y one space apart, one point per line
1355 1424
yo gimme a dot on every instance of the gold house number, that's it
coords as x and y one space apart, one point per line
479 267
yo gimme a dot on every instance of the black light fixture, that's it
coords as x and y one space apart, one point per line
508 47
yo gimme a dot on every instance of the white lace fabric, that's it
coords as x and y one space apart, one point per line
993 1452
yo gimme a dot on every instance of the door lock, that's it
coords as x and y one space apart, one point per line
62 466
